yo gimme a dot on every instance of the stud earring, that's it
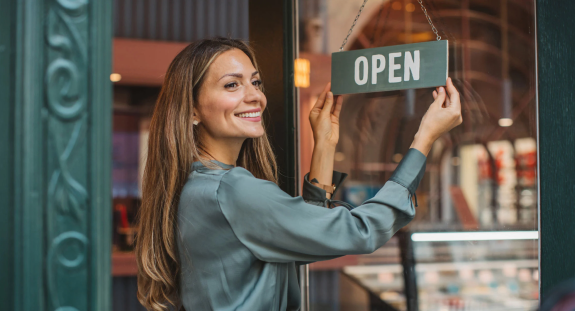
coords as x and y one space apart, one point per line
195 122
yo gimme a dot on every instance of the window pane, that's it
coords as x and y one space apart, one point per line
480 186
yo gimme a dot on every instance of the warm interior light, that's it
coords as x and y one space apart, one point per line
505 122
416 37
474 236
396 5
301 76
410 7
397 157
115 77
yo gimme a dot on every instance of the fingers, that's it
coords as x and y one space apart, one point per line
447 101
328 104
338 104
434 95
440 98
321 99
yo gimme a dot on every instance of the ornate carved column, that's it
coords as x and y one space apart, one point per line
58 201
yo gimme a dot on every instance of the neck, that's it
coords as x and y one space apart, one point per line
225 150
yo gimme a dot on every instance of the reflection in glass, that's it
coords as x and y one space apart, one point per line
481 177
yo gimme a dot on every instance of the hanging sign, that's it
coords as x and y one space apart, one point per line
399 67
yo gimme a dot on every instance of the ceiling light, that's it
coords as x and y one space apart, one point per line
505 122
115 77
301 72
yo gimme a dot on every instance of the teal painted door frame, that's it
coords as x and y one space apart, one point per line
55 107
6 156
556 129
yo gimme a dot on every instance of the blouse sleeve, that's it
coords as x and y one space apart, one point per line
277 227
317 196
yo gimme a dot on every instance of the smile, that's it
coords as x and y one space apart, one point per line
249 115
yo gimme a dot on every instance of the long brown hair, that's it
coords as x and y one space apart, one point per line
172 147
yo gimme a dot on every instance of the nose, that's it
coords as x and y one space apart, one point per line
252 95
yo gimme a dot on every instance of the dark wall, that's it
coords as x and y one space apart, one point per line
556 43
180 20
271 26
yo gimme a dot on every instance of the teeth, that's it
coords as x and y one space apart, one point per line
249 115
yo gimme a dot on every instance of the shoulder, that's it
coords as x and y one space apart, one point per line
237 174
239 180
199 188
238 186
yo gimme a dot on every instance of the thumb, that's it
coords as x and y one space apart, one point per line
453 94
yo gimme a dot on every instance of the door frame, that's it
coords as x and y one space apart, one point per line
556 138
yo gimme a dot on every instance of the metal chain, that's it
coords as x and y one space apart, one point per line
447 35
353 25
429 20
361 9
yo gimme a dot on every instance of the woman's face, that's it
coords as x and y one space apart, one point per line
230 102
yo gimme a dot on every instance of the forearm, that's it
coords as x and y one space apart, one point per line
422 143
321 168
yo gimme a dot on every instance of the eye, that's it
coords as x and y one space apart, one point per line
257 83
231 85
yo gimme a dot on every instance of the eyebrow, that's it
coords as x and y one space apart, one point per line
237 75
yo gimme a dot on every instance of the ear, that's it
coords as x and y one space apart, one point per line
195 117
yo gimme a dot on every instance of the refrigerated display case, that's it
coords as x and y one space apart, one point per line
460 275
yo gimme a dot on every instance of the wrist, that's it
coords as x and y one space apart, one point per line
323 146
322 161
423 143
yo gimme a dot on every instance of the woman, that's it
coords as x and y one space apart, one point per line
216 232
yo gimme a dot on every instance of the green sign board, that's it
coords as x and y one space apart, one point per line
398 67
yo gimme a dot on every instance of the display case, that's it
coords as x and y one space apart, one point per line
457 275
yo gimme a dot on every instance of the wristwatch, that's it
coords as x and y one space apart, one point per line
327 188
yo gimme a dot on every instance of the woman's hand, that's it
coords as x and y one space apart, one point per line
443 115
324 118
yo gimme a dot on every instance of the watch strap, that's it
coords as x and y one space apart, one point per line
328 188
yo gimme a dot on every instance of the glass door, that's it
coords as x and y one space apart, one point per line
473 244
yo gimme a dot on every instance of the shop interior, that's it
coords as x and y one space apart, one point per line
473 244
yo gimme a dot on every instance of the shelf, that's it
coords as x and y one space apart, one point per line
444 266
442 227
124 264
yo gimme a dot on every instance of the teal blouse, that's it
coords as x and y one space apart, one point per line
241 238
